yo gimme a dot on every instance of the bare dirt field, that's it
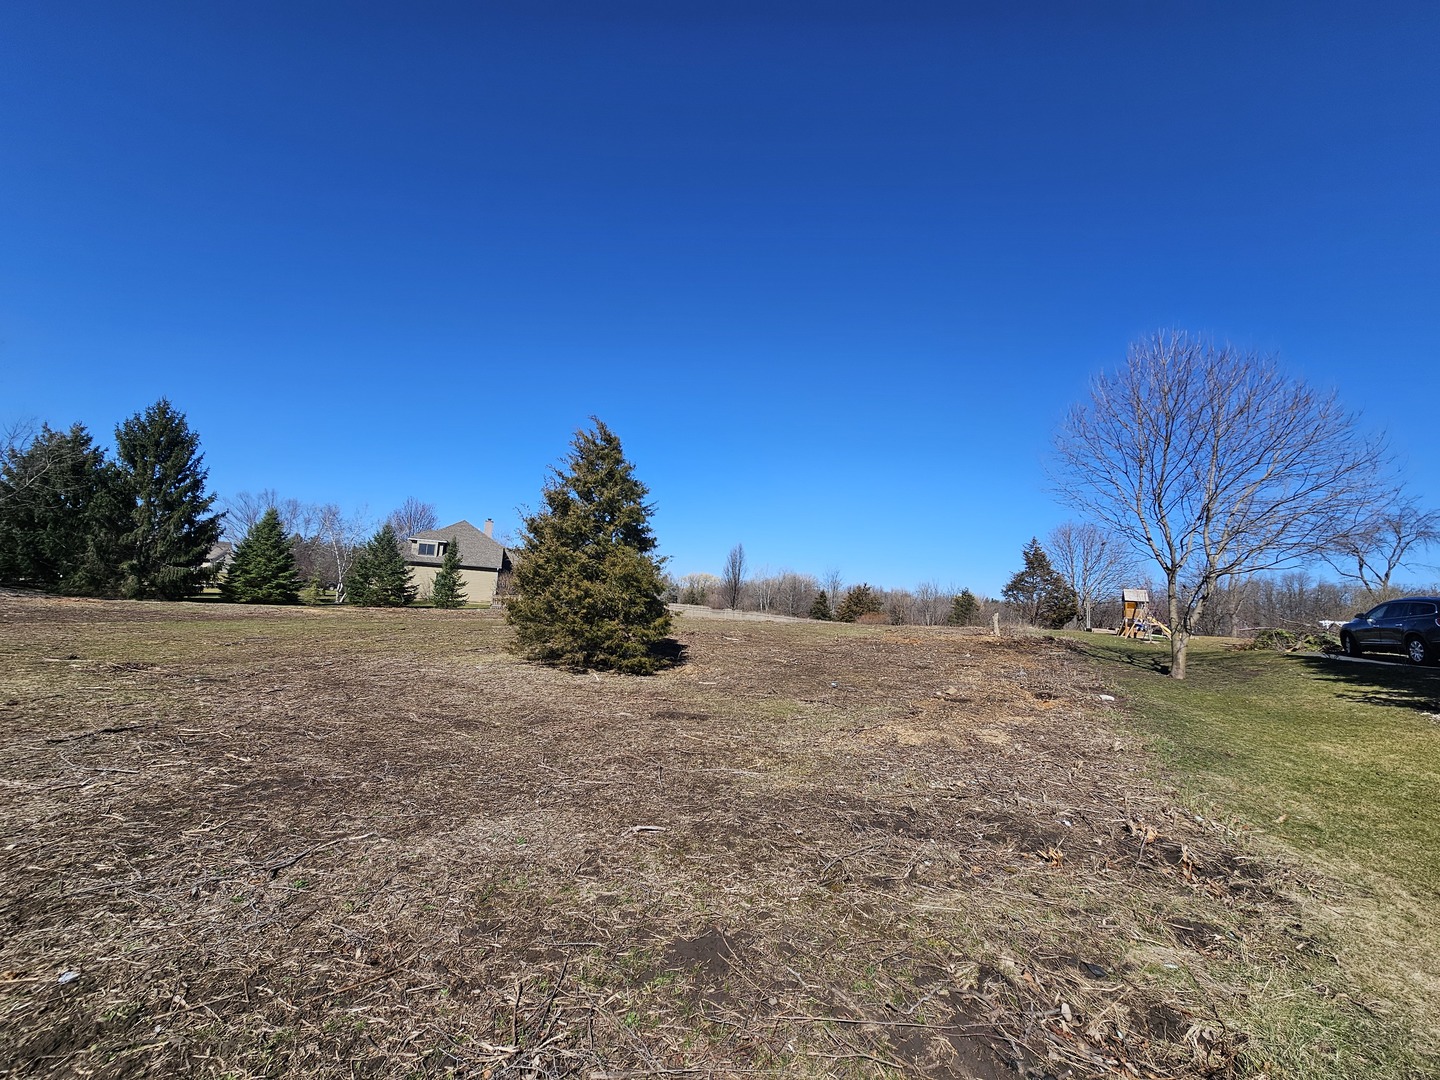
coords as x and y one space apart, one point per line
301 842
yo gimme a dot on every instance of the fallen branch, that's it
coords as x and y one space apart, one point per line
283 864
92 734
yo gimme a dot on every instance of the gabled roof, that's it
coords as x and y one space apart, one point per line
477 551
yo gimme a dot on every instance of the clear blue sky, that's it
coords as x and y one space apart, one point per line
831 270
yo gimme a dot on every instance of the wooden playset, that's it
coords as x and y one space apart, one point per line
1138 622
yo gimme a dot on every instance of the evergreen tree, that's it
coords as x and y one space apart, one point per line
62 510
262 570
311 595
588 591
379 577
963 609
858 600
820 609
171 527
1039 592
355 585
446 591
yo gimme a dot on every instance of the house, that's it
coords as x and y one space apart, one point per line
481 559
217 559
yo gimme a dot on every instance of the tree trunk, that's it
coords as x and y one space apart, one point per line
1088 604
1179 636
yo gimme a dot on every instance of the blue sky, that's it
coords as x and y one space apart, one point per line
832 271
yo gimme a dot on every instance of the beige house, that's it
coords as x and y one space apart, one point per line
481 559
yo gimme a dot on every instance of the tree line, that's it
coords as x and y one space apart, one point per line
75 520
1075 577
1204 461
828 597
141 524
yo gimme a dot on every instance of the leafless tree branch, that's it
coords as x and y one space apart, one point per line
1216 464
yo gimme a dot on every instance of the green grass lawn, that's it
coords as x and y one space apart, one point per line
1333 760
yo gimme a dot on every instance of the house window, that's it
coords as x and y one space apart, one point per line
425 547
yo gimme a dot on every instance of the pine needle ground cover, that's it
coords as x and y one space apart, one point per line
305 842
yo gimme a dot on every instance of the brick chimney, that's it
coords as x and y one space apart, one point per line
489 526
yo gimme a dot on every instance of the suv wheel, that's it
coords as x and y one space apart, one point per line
1417 650
1348 645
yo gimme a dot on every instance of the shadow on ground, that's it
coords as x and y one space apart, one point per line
1379 681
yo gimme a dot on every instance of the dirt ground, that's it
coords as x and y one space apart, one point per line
298 842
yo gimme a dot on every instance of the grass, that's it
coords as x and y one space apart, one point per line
810 850
1331 760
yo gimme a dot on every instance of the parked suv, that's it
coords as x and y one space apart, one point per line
1410 625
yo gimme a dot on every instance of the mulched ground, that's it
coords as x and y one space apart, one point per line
293 842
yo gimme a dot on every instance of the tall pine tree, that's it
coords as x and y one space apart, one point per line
1039 592
62 511
858 600
262 570
588 590
447 591
171 527
820 609
379 577
963 609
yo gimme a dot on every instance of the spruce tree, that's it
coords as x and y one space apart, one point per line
820 609
354 584
379 577
963 609
171 528
446 590
858 600
588 590
1039 592
62 511
262 570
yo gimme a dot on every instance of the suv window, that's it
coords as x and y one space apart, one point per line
1422 608
1384 611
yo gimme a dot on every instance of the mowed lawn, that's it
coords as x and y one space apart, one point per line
1335 760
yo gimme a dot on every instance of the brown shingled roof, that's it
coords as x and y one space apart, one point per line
477 551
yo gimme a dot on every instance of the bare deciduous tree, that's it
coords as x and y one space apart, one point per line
898 606
410 517
732 578
300 519
16 436
1096 564
763 589
1230 596
697 588
795 593
243 510
932 604
15 440
1371 552
342 537
1216 463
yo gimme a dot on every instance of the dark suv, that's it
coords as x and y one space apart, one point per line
1410 625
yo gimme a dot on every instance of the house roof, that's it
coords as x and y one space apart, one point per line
477 551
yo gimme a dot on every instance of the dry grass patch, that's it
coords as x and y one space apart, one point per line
327 843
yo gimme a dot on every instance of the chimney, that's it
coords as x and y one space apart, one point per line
489 526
